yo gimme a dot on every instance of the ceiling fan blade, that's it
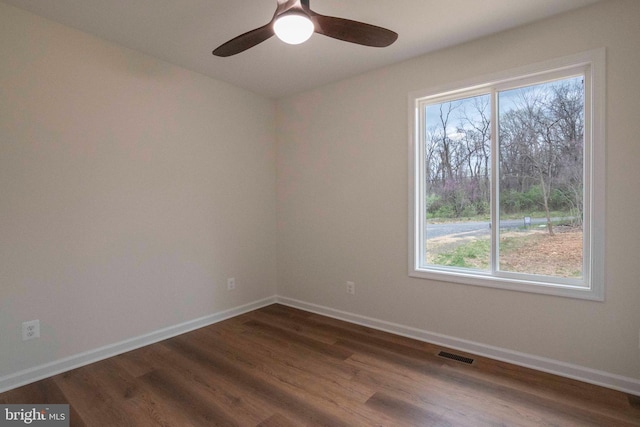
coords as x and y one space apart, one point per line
353 31
245 41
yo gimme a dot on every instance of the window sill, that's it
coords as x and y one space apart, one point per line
507 283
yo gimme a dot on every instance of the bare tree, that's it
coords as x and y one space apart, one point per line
540 150
541 141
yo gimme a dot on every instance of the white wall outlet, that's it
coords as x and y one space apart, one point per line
30 330
231 283
351 288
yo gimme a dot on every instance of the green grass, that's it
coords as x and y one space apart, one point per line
512 244
474 254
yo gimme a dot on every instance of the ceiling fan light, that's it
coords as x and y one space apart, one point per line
293 28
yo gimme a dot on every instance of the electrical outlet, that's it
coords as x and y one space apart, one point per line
30 330
351 288
231 283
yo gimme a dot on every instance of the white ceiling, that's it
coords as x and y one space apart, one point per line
184 32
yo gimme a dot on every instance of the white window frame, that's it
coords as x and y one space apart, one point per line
592 64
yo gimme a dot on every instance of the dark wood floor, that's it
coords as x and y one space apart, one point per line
278 366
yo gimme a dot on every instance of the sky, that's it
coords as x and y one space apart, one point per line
508 100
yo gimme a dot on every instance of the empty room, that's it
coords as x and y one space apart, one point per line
401 213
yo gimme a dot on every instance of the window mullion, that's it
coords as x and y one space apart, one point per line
495 222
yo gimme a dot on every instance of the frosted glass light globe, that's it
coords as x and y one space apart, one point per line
293 28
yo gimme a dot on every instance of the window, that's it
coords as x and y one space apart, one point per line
507 180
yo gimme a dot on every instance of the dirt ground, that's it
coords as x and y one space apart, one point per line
558 255
533 252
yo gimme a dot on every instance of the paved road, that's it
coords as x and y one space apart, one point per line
476 228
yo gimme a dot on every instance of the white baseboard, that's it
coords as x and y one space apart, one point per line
37 373
580 373
568 370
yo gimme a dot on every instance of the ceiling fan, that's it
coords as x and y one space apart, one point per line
294 22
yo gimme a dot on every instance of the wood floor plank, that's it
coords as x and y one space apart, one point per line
468 388
277 420
432 395
148 407
333 329
297 368
281 310
246 408
307 357
402 410
258 384
326 399
297 339
187 400
634 401
565 391
87 395
136 362
472 405
300 327
149 410
280 366
43 392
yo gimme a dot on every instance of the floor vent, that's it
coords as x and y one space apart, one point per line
456 357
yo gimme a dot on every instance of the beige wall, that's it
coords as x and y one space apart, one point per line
343 203
130 189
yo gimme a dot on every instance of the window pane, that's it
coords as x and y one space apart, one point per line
541 144
457 174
